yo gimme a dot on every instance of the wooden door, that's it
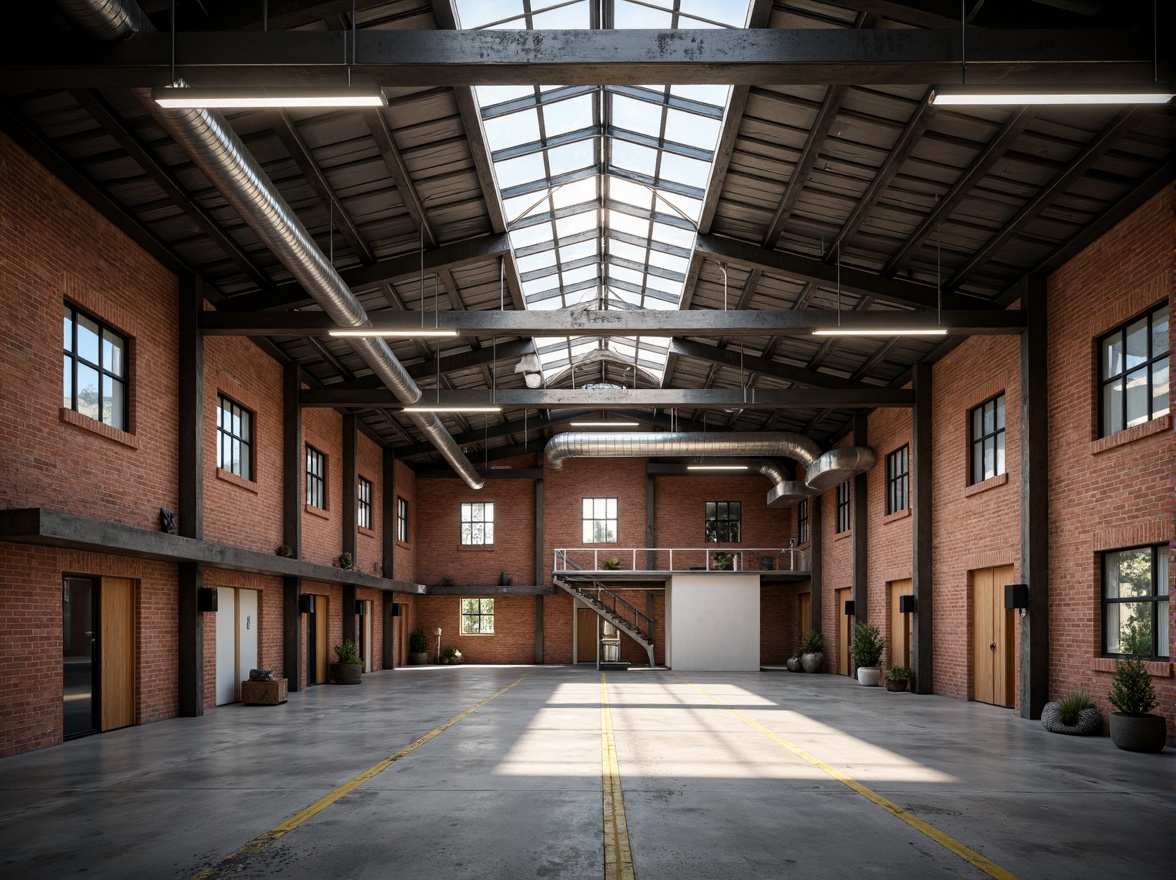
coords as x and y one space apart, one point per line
992 643
804 615
321 639
586 635
116 645
900 624
844 629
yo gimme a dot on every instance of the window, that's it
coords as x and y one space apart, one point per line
477 522
364 497
1135 602
94 378
477 617
897 480
843 507
600 520
723 521
401 520
234 438
1133 372
988 439
316 478
802 522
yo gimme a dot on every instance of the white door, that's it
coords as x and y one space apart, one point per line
226 646
246 633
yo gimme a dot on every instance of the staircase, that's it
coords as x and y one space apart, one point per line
611 608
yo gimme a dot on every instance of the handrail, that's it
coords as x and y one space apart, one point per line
637 616
688 559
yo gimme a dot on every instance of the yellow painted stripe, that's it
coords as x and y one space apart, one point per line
618 858
947 842
230 864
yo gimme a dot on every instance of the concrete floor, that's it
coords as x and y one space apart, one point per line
514 789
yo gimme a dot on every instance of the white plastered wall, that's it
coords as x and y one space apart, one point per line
713 622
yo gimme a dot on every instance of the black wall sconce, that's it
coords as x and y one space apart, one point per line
906 605
306 604
395 609
849 607
206 599
360 607
1016 595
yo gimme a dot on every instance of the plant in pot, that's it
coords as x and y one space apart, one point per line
866 651
350 667
612 564
1074 714
898 678
812 657
451 655
418 647
1132 693
793 663
722 561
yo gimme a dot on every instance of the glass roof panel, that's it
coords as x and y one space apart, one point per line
637 215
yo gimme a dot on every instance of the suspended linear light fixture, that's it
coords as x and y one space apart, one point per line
441 408
604 424
716 467
392 334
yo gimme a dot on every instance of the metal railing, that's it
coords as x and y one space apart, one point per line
668 559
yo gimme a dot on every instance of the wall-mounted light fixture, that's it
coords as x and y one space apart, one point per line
907 605
360 607
850 607
206 599
1016 595
395 609
306 603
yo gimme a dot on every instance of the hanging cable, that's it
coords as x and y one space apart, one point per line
839 283
963 42
723 269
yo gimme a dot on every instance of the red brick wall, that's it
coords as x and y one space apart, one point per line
513 640
680 513
70 462
406 551
322 530
559 619
513 550
369 555
780 628
270 640
837 571
244 513
1117 492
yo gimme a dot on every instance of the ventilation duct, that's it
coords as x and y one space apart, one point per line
215 148
837 466
789 493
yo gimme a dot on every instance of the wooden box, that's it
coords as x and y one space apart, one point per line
263 693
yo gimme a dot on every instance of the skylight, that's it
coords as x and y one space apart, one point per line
602 186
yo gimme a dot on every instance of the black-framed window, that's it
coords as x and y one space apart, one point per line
401 520
234 437
94 373
802 522
599 520
1135 602
988 439
477 617
316 478
1133 372
898 471
724 522
364 497
477 522
843 521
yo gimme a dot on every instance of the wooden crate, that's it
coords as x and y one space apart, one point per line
263 693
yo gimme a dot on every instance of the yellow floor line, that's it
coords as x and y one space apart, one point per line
231 863
949 843
618 858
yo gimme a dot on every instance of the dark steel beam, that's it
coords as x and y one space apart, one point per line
622 398
827 56
386 143
763 366
922 627
855 281
594 322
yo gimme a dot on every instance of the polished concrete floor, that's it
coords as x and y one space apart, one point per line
655 775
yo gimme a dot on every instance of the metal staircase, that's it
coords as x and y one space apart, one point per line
611 608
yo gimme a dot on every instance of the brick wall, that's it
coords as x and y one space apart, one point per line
322 530
369 555
513 640
837 571
406 551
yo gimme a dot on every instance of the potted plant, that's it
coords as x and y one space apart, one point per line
812 657
350 667
612 564
793 663
898 678
722 561
418 647
451 655
866 651
1133 727
1074 714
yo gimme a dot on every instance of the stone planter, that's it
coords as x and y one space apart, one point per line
793 665
347 673
418 658
1139 733
896 686
812 662
1089 721
869 676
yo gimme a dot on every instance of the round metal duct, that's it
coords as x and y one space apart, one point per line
837 466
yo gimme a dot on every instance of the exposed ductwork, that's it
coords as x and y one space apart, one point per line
215 148
838 465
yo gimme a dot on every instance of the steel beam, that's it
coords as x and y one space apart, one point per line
595 322
763 366
622 398
409 58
